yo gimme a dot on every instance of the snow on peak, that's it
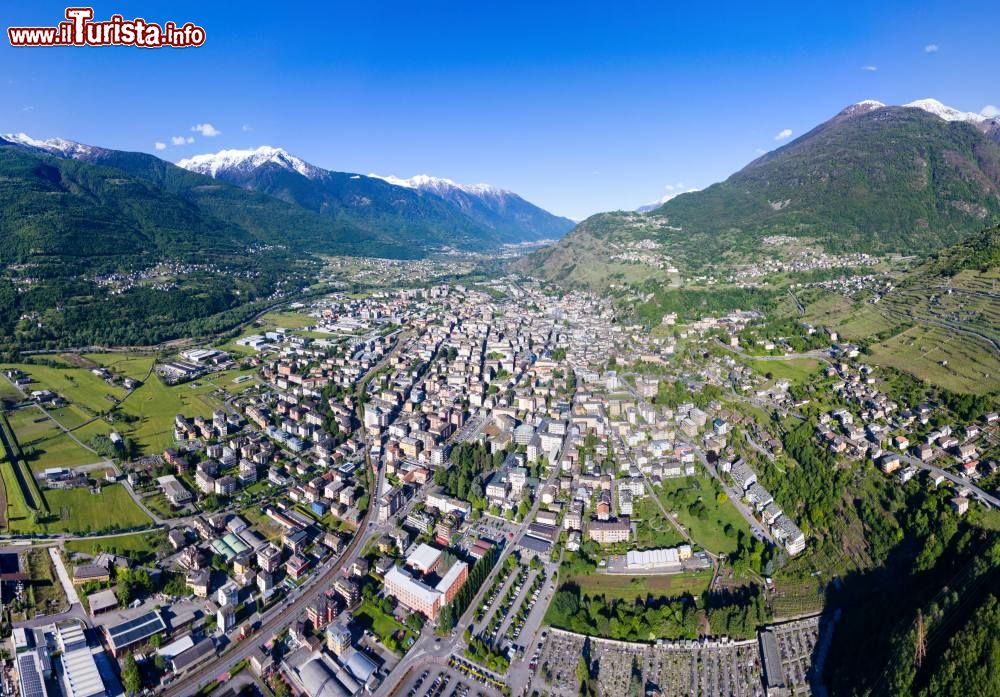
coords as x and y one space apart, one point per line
54 146
933 106
247 161
440 185
862 107
672 192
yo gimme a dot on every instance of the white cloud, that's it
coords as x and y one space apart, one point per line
246 128
869 68
206 129
179 140
989 111
760 151
783 134
931 48
160 146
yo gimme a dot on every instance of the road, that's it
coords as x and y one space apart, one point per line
736 498
283 614
954 478
760 530
430 649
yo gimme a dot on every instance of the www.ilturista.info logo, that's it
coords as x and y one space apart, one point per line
81 30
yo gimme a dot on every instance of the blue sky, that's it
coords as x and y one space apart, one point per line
579 107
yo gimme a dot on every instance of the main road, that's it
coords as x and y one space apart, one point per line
285 612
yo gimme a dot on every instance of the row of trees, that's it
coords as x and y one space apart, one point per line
451 612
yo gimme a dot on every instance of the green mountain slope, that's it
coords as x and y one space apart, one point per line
877 180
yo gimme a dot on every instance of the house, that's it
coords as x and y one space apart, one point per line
960 504
197 580
297 566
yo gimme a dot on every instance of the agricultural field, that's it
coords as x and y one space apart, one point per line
46 445
792 599
700 511
79 511
957 362
620 586
71 381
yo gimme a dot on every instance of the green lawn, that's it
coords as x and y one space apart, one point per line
708 528
46 445
142 546
79 511
620 586
156 404
383 626
131 365
16 507
796 370
75 384
653 531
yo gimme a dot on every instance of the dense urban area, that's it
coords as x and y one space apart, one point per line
490 486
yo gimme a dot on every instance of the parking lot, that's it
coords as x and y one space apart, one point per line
459 679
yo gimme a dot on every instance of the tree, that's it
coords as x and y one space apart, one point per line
131 680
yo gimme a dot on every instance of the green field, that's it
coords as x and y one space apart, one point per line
16 507
653 531
44 444
383 626
130 365
156 404
620 586
141 546
77 385
79 511
957 362
796 370
708 529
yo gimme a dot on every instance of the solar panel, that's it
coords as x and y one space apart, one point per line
31 680
136 629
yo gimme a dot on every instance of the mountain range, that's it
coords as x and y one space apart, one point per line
78 221
432 213
874 178
240 197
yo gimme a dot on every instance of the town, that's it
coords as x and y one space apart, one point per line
460 489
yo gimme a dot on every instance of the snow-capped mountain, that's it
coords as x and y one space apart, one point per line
247 161
504 212
471 211
933 106
53 146
440 185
